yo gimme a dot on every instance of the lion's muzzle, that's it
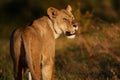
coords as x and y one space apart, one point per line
70 34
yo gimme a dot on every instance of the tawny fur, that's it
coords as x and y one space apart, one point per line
33 47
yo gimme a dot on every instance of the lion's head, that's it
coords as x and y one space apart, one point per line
63 21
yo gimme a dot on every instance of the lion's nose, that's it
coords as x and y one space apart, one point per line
75 25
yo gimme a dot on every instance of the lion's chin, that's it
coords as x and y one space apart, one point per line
71 36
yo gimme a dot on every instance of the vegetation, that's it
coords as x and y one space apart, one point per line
93 55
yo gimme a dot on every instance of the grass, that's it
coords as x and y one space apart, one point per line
92 55
5 61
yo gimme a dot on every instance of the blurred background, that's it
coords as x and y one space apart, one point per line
93 55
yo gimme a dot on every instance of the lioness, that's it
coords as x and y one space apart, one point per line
33 47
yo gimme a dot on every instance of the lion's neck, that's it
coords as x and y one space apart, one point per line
56 34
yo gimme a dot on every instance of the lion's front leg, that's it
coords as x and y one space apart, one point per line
29 76
47 69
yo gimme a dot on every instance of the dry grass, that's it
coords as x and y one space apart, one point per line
92 55
5 61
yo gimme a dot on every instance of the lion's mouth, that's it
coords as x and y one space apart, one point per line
70 35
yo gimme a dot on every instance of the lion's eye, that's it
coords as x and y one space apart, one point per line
66 20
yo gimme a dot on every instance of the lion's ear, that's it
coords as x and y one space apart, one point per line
69 8
52 12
